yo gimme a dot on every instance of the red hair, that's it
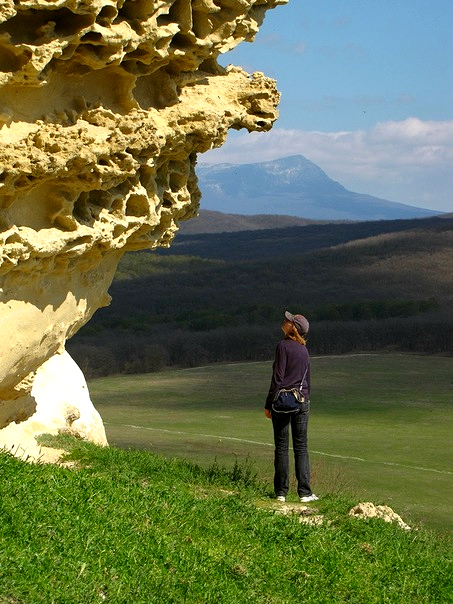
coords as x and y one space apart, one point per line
291 332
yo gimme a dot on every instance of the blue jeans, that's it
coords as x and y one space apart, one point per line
299 426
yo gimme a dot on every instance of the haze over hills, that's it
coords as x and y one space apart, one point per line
292 186
210 221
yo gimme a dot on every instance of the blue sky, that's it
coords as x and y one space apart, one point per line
367 94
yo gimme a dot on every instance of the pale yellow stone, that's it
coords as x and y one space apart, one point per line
367 509
59 403
104 106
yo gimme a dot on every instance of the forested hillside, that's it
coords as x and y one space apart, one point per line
209 221
221 297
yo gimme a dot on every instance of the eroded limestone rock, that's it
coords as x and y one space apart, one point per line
58 402
104 106
367 509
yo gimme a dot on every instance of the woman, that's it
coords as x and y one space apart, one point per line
291 371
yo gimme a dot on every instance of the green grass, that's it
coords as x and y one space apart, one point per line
180 511
133 527
380 425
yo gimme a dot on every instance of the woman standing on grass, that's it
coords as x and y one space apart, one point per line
288 402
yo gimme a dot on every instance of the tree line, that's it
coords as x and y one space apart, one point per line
124 351
386 291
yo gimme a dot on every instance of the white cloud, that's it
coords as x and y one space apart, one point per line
299 48
408 161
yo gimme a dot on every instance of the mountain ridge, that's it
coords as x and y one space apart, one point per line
292 186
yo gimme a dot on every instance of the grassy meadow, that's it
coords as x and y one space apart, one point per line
130 527
180 511
380 426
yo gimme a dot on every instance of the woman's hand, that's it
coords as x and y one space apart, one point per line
267 413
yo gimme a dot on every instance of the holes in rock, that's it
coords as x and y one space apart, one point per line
181 42
88 51
157 90
117 204
100 199
67 23
137 205
202 25
137 26
14 238
136 10
118 230
68 51
136 68
106 15
89 205
161 180
138 53
162 43
92 36
22 182
118 194
176 181
10 62
180 11
210 65
80 241
146 177
79 104
163 20
38 26
80 210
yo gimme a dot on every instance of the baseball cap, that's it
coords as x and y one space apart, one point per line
301 323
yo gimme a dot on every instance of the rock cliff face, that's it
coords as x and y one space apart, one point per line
104 106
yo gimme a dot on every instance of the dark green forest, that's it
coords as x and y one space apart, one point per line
217 297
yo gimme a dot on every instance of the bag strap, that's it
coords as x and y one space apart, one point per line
302 381
299 389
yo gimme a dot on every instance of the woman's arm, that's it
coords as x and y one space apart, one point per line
278 374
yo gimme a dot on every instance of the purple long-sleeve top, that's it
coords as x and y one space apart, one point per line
291 362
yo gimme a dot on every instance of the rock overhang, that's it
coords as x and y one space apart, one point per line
104 107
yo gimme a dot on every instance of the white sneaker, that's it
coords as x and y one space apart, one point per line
308 498
280 498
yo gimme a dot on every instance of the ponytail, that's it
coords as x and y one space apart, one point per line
293 334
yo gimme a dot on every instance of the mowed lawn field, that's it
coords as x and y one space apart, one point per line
380 425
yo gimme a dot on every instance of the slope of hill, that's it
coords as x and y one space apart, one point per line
274 242
220 297
210 221
292 186
131 526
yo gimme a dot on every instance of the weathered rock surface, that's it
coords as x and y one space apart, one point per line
59 402
104 106
367 509
309 515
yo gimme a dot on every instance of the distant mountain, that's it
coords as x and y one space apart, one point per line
292 186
